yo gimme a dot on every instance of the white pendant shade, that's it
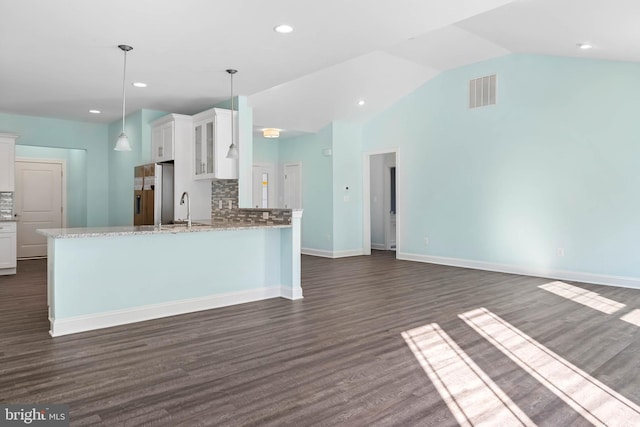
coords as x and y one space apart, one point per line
233 152
123 143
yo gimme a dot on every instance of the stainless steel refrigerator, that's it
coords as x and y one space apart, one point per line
153 194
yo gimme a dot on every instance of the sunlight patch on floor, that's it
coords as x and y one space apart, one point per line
472 397
632 317
583 296
589 397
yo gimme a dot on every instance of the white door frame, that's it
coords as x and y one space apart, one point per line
366 198
63 164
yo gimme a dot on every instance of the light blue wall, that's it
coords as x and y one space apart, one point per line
121 163
85 281
265 150
317 185
76 177
347 173
554 164
68 134
245 150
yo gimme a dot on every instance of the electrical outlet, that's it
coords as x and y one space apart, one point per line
426 240
265 215
560 252
230 205
219 204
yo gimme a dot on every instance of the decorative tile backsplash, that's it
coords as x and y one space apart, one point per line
224 207
224 196
6 206
253 216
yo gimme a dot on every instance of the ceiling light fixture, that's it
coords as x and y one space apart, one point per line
123 142
271 133
139 84
361 102
95 111
283 29
585 46
233 150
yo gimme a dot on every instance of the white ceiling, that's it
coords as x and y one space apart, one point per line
60 58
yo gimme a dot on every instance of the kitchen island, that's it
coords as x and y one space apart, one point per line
102 277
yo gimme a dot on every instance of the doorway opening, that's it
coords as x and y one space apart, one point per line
381 201
265 186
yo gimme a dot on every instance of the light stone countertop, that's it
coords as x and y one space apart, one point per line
197 226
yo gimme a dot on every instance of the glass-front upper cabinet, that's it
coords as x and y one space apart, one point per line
211 140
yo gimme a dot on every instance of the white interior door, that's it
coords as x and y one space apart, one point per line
38 204
292 186
264 186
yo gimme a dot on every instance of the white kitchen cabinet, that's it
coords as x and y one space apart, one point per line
163 136
8 247
7 162
211 140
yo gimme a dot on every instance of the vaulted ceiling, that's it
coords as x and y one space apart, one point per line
60 58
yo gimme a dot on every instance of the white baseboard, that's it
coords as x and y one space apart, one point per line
7 271
378 246
574 276
291 293
351 252
331 254
139 314
317 252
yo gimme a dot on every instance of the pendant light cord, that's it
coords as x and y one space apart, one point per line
232 136
124 76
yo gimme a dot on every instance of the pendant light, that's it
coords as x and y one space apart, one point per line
233 150
123 141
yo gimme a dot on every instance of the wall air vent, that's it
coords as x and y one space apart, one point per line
482 91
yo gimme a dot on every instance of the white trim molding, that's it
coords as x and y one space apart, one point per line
332 254
573 276
108 319
291 293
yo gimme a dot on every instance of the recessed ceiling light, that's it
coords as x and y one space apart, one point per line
585 46
361 102
140 84
283 29
94 111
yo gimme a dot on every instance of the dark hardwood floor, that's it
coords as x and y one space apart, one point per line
337 357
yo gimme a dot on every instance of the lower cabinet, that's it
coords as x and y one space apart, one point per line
8 248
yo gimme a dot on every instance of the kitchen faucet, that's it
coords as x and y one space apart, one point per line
185 194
